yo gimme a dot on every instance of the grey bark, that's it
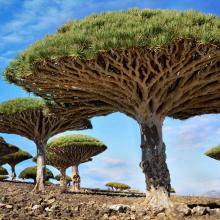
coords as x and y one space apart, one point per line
13 173
154 165
63 180
39 186
75 178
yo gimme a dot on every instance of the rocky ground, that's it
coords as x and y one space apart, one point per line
17 202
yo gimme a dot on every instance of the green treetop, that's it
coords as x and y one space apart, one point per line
125 29
31 172
117 185
214 152
68 178
3 171
6 148
15 158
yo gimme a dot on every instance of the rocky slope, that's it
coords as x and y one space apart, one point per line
17 202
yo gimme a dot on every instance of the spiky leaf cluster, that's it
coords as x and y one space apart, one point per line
68 178
15 158
3 171
214 153
118 185
31 172
125 29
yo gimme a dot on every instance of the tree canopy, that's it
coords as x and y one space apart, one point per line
75 149
117 185
58 176
21 104
125 29
31 172
3 171
6 148
16 157
214 153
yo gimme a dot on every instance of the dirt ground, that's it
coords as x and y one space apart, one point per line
18 202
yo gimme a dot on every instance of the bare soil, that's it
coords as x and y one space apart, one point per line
18 202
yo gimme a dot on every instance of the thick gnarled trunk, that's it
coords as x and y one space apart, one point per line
39 186
154 165
63 180
75 178
13 173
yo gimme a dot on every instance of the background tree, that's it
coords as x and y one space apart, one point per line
14 159
6 148
3 173
117 186
74 150
29 117
148 64
31 173
214 152
68 179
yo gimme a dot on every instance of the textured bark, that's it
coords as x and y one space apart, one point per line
39 186
63 180
75 178
13 173
154 165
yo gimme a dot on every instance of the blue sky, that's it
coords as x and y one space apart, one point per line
25 21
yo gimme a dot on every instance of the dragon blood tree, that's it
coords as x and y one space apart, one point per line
30 117
117 186
31 173
214 152
6 148
3 173
74 150
148 64
58 177
14 159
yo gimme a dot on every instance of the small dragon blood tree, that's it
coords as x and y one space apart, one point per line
74 150
68 178
148 64
3 173
117 186
31 173
14 159
30 117
6 148
214 153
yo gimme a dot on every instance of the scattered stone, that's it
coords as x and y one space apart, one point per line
199 211
119 208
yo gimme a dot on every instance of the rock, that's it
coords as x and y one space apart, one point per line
8 206
119 208
51 201
182 209
36 207
199 211
133 208
105 217
133 217
161 216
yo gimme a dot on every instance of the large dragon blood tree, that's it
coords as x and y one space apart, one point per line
74 150
148 64
6 148
30 117
14 159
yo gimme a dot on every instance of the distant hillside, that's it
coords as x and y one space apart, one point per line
213 194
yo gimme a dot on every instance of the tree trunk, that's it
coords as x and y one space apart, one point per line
75 178
13 173
154 165
40 166
63 182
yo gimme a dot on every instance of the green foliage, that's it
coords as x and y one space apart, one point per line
3 171
3 177
172 190
123 29
68 178
214 152
116 185
21 104
31 172
15 158
6 148
76 140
